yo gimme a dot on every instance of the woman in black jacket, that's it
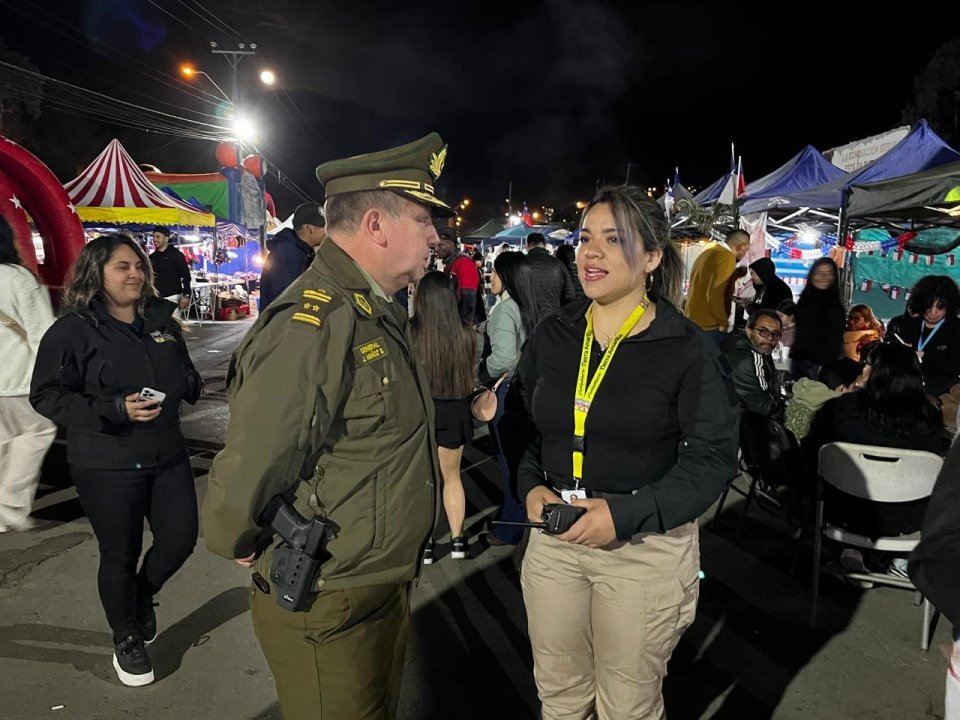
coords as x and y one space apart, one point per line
771 290
127 457
933 330
645 445
820 322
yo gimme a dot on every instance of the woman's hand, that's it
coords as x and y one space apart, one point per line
536 499
141 410
595 529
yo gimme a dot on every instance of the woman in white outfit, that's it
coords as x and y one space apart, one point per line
25 435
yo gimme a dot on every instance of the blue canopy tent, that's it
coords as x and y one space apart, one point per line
806 170
712 192
921 149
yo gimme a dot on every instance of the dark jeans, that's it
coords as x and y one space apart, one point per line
512 510
117 501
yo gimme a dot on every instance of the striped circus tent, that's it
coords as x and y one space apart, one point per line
113 190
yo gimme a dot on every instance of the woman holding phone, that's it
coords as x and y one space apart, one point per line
112 370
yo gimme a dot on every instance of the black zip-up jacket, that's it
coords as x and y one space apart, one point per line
662 433
754 377
551 281
87 364
941 353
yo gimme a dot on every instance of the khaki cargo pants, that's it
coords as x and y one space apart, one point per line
341 660
603 623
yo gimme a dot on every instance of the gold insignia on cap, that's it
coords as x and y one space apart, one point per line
437 160
363 303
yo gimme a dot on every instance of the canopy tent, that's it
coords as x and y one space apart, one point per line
712 191
211 189
921 149
679 193
931 196
490 228
805 170
114 191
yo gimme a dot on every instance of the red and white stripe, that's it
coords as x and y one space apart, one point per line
114 180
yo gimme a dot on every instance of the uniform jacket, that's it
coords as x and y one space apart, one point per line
88 364
288 258
754 377
27 302
552 285
709 296
328 404
662 430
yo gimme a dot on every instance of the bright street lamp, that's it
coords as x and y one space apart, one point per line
189 72
267 77
245 129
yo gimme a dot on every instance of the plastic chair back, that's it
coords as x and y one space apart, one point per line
879 474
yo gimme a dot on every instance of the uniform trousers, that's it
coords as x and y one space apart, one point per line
342 659
116 502
25 437
604 622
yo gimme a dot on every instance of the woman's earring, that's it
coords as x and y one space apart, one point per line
648 284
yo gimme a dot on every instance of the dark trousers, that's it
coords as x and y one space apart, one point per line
116 502
512 509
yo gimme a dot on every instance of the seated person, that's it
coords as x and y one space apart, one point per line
935 332
754 375
891 411
863 328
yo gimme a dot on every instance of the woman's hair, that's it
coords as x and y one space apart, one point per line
567 254
517 276
445 344
85 282
9 255
929 290
866 312
893 397
833 292
639 219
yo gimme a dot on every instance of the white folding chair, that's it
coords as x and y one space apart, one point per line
877 474
200 303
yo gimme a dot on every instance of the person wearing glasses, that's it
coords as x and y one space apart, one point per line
754 375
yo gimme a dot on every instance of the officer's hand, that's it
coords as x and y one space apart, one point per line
538 497
246 562
142 410
595 529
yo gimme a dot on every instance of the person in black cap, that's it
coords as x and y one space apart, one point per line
170 270
291 252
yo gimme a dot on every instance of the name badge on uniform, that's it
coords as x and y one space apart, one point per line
161 337
370 351
570 495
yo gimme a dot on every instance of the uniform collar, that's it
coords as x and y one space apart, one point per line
366 296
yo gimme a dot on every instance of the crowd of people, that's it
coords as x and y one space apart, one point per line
352 398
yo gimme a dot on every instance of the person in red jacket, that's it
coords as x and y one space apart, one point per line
464 270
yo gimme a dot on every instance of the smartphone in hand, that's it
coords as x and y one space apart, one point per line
152 395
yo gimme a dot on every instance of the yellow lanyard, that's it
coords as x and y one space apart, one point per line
587 391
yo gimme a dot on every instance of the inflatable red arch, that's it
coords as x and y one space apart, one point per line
29 186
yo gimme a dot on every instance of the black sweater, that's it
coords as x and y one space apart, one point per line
170 272
821 322
662 430
941 353
86 366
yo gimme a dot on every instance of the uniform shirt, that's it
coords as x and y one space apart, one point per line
662 429
171 273
708 299
328 405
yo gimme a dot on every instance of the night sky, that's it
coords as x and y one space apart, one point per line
554 96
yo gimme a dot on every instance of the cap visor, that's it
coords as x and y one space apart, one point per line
440 209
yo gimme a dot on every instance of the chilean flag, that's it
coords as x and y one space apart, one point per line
735 186
525 216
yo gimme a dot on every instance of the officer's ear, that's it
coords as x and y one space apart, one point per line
372 226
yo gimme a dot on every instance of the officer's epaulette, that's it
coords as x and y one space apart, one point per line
314 307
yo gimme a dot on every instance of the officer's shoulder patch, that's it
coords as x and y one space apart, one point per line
314 306
370 351
360 300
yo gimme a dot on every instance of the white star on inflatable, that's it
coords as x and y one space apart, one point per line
16 202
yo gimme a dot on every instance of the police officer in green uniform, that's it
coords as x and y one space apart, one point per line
329 406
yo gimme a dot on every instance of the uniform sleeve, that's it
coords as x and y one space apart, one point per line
56 389
707 455
286 387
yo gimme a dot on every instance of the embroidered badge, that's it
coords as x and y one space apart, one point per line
362 303
370 351
161 337
314 308
437 160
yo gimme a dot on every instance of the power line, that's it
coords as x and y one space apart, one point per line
202 17
236 34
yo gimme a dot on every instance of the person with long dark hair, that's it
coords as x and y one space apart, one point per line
820 321
888 409
114 343
627 411
25 435
933 330
511 322
446 346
